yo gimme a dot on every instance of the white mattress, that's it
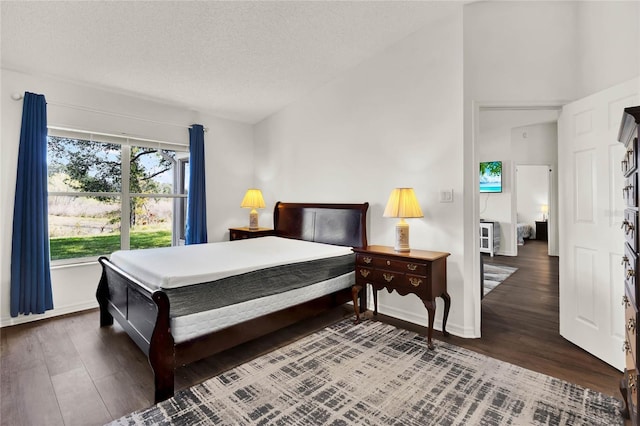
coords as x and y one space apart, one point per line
191 326
172 267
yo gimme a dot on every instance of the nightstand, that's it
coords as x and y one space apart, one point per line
244 232
541 230
419 272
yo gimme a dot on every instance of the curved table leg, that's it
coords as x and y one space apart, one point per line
355 290
431 309
375 301
447 305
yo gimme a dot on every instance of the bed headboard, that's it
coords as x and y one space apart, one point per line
339 224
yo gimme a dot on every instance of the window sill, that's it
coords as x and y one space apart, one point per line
73 263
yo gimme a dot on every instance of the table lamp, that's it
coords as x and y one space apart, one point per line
545 211
403 204
253 200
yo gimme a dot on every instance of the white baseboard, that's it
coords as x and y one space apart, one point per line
22 319
411 317
422 320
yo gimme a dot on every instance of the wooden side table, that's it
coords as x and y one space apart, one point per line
541 230
419 272
244 232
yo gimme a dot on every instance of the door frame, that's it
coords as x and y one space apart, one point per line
476 107
550 202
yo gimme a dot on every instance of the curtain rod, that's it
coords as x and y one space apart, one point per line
19 96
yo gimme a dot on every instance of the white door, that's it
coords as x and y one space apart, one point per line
590 215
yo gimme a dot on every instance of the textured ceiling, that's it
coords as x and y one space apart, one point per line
238 60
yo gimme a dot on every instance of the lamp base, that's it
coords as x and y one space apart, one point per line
402 237
253 220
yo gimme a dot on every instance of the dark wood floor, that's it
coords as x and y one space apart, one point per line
68 371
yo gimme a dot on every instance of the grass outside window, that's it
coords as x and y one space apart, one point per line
98 245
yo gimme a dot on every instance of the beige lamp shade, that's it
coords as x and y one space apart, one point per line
403 203
253 200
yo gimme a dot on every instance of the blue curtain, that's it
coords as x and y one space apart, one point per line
196 200
30 273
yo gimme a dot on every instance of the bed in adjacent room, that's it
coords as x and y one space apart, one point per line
524 231
182 304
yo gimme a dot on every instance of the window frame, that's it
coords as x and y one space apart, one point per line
125 195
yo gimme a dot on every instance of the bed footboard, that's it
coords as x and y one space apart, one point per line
102 294
144 315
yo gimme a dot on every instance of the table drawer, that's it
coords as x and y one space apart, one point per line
392 264
631 332
363 274
630 190
364 259
630 228
630 361
403 283
630 265
393 278
629 161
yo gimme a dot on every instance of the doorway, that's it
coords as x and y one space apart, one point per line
518 137
501 134
532 203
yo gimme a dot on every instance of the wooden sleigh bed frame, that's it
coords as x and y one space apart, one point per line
144 313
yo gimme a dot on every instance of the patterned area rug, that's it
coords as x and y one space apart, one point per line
495 274
376 374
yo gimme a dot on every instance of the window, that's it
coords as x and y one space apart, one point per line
108 193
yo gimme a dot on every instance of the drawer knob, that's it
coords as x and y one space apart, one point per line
388 263
365 272
632 382
630 273
624 224
630 228
388 277
625 301
624 165
631 325
625 260
415 281
626 348
366 259
412 267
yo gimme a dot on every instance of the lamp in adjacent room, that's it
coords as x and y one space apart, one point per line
545 210
403 204
253 200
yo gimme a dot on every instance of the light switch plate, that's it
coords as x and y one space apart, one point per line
446 196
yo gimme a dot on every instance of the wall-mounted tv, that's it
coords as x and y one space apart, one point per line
491 176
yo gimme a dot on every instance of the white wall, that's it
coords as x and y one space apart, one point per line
608 44
394 120
532 192
229 162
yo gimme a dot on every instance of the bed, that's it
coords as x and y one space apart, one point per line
170 311
524 231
